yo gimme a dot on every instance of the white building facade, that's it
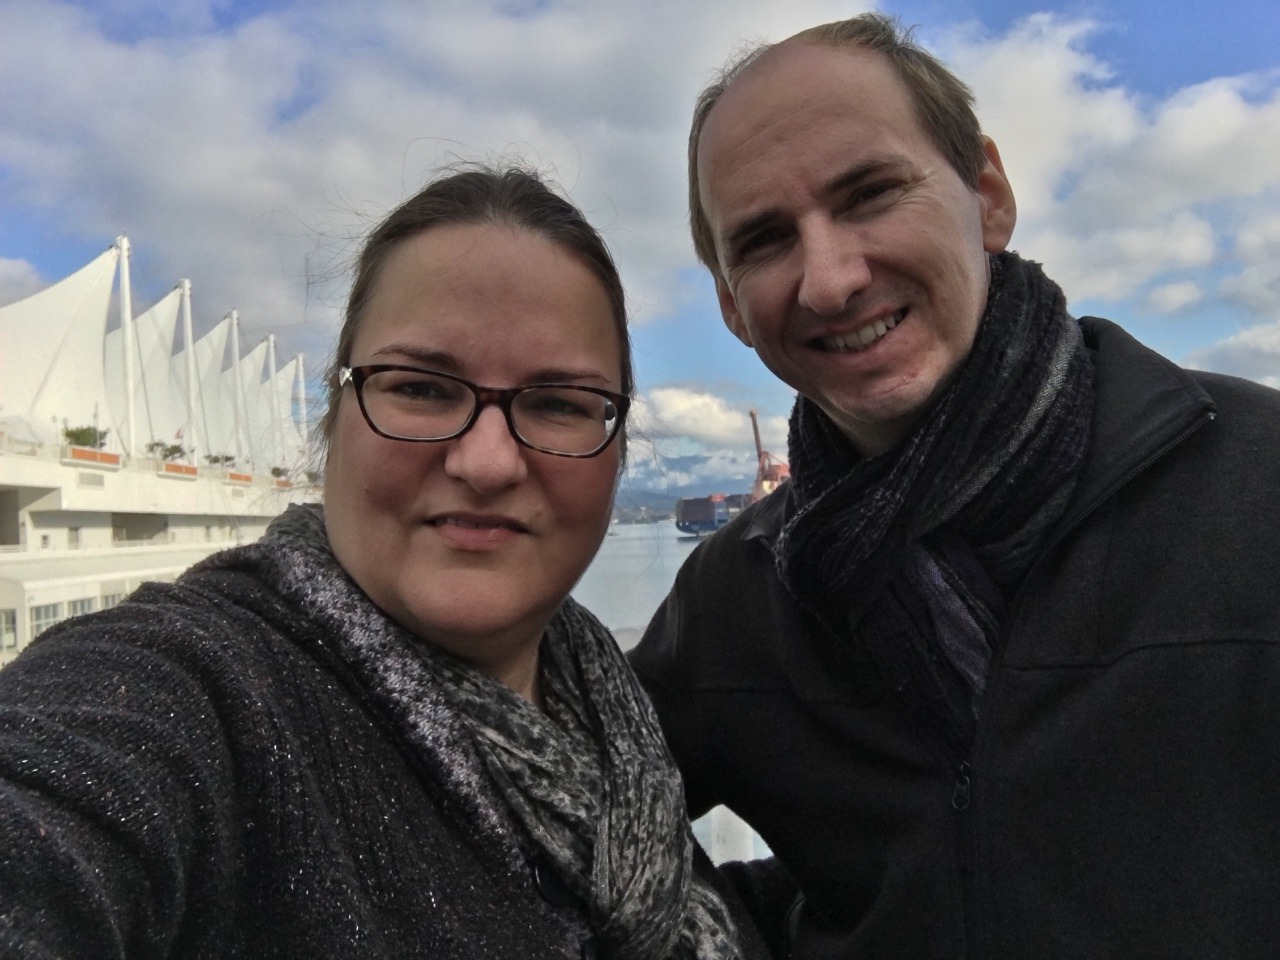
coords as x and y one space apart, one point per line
128 455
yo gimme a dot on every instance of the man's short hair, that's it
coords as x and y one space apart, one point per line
943 102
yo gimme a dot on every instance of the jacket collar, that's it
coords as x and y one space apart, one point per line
1144 405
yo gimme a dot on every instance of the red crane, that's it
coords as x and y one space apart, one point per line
770 470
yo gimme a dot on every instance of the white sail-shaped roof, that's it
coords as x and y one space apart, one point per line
184 408
152 390
217 407
264 428
255 423
59 368
288 445
52 345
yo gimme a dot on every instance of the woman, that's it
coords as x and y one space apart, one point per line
383 730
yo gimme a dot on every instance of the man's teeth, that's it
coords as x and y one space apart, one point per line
862 338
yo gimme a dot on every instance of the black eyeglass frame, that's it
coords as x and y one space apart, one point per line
504 397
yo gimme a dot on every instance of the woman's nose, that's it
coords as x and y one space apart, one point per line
487 457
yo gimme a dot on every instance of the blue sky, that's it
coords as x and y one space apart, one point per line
245 144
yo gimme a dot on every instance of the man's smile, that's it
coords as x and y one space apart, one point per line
861 338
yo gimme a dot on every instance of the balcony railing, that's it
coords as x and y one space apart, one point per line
182 471
89 457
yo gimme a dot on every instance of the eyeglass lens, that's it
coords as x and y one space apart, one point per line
419 405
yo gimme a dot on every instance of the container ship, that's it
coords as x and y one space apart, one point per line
699 516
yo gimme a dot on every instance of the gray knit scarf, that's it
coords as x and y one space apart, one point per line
916 549
588 785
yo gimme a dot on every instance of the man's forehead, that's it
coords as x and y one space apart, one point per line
814 103
793 77
787 69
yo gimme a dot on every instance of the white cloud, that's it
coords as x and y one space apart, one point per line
1252 353
1058 112
18 280
692 437
1117 261
1213 141
1173 297
703 417
1118 192
247 158
709 420
1257 285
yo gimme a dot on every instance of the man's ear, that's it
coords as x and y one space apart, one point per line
999 209
729 310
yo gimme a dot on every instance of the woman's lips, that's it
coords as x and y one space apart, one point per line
473 532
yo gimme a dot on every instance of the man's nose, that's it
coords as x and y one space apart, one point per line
487 457
834 267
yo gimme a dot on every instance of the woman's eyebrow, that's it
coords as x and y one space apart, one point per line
563 375
447 362
437 359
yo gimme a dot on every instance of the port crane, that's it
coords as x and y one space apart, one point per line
699 516
770 470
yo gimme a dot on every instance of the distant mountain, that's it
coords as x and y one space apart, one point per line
640 499
690 476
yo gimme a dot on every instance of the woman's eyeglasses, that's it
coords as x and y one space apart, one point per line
408 403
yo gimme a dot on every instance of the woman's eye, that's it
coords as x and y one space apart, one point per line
422 389
418 389
561 405
411 388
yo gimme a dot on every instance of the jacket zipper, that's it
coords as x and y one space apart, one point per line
961 794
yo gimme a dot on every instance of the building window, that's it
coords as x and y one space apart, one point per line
73 537
44 616
77 607
109 600
8 629
44 541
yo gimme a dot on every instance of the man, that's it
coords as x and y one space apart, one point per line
997 674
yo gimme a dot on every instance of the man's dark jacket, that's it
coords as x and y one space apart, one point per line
1122 795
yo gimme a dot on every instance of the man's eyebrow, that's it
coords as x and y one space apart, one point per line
861 171
842 181
748 227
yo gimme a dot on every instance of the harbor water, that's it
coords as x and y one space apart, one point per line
625 584
631 575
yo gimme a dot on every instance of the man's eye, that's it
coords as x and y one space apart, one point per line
759 241
872 195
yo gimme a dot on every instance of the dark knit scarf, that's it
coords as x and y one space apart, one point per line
916 549
588 786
